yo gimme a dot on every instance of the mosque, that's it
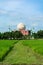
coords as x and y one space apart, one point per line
22 28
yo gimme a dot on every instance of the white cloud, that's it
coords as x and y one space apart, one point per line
3 11
34 24
10 5
19 10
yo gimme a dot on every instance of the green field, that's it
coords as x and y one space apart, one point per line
23 51
36 45
5 47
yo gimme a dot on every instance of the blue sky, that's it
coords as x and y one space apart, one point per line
12 12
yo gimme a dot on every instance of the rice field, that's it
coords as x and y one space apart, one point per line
36 45
21 51
5 47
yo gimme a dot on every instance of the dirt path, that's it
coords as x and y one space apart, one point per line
22 54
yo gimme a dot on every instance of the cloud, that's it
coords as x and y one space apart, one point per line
9 5
26 11
3 11
34 24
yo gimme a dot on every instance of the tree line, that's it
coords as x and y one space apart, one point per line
10 35
39 34
19 35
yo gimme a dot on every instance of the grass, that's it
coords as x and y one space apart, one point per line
36 45
23 52
5 46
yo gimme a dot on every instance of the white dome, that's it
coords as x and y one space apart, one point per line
21 26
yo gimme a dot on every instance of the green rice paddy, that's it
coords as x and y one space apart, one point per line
21 51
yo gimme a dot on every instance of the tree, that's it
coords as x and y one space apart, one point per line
35 35
0 35
18 35
40 34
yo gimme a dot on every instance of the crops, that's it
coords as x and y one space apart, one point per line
21 51
5 47
36 45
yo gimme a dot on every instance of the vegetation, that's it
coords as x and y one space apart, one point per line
39 34
36 45
11 35
5 47
27 52
18 35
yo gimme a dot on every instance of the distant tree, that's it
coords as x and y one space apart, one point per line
18 35
40 34
6 35
35 35
0 35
